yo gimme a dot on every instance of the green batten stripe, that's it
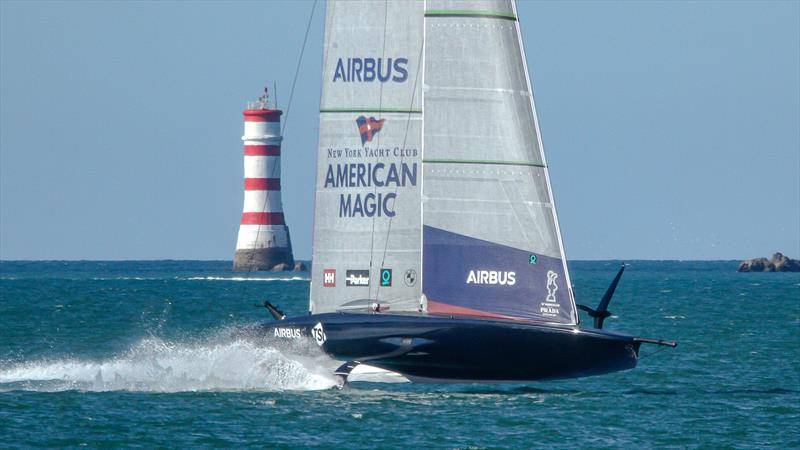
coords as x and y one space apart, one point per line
370 110
482 161
469 13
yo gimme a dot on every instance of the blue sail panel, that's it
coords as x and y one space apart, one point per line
468 276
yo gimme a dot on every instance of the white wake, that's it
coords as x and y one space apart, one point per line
293 278
156 365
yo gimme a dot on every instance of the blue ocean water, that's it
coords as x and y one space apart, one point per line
146 354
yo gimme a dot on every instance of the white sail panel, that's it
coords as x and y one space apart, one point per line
372 56
367 240
491 244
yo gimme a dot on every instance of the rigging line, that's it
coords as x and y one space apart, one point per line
283 128
330 10
297 70
276 167
378 143
405 139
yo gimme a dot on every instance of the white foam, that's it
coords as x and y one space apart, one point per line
365 372
246 279
121 279
209 278
156 365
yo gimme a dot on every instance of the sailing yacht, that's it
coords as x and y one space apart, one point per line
437 252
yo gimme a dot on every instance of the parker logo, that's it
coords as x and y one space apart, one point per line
368 127
492 277
357 278
329 278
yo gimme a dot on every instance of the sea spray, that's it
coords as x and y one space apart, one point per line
224 362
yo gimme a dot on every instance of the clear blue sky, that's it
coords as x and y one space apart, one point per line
671 128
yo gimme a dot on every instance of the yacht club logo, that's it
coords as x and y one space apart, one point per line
552 287
357 278
368 127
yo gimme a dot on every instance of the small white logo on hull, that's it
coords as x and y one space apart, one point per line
319 334
288 333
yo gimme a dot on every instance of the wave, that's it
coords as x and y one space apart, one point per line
207 278
246 279
157 365
119 279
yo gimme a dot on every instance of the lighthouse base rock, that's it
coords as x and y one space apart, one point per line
276 259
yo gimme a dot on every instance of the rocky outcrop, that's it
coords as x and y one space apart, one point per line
783 263
778 263
282 267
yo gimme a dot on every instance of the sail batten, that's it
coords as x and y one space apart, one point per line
371 110
483 161
469 13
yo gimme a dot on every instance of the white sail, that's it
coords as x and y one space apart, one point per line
491 241
463 217
367 246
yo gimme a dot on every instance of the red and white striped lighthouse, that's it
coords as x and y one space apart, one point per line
263 242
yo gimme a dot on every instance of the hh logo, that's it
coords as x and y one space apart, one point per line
329 278
368 128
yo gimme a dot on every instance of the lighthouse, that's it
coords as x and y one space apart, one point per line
263 242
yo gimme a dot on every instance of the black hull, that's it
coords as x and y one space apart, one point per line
435 348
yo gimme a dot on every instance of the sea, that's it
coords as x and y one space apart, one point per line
150 354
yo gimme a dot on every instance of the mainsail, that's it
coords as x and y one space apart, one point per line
367 241
431 166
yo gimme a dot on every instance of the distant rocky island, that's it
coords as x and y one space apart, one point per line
778 263
283 267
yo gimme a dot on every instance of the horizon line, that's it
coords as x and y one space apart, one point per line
309 260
